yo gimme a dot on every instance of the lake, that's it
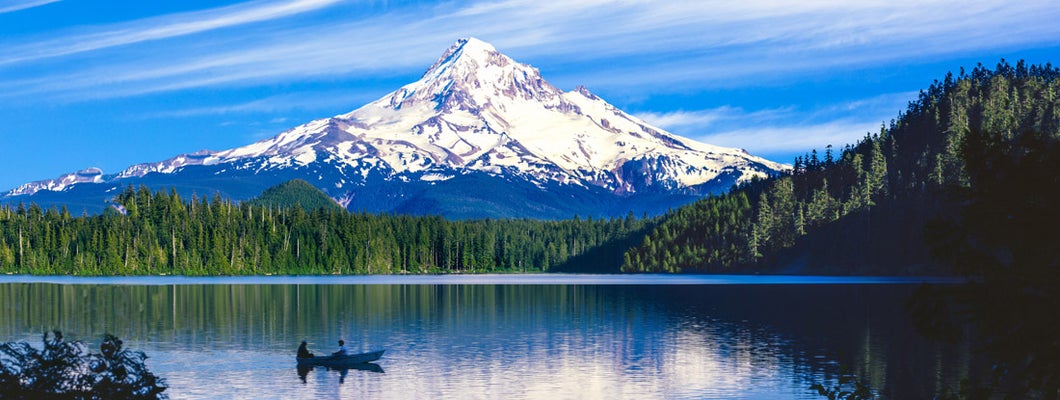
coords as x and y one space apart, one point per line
537 336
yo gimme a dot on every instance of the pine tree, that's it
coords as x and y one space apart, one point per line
763 227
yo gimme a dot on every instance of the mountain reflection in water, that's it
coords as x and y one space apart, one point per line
532 341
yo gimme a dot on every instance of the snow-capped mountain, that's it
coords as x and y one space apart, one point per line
475 116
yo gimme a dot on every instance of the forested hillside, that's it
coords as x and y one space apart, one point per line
864 208
161 233
295 193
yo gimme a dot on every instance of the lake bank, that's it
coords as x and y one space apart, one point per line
484 279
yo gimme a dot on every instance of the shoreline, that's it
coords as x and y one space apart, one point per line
484 279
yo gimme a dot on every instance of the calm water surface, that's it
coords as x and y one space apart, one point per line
498 337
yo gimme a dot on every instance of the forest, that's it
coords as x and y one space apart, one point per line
160 233
865 208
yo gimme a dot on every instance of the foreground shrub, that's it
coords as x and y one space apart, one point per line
68 370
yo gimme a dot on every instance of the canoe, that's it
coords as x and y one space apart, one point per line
333 360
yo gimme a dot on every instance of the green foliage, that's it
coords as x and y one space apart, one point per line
69 370
162 234
294 193
868 207
968 390
707 234
848 388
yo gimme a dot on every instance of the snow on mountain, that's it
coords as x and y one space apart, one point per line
88 175
474 111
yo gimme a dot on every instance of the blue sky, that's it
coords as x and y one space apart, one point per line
110 84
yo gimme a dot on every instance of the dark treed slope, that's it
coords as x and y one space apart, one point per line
295 192
163 234
864 209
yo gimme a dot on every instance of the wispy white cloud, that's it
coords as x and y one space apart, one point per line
652 46
682 118
156 28
766 133
784 130
781 139
18 5
273 104
700 120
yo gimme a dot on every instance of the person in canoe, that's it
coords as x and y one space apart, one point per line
303 352
342 349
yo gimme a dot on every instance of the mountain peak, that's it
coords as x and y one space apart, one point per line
471 44
469 75
467 49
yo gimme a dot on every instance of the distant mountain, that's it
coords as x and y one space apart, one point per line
295 193
478 135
